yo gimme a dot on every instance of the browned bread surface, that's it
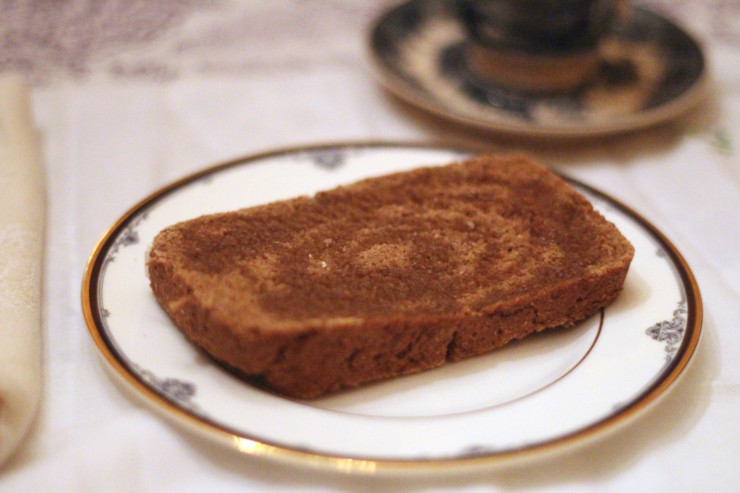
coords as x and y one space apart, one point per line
390 275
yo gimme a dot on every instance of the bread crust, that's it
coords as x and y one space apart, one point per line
388 276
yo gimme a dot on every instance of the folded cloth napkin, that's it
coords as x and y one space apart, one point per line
21 240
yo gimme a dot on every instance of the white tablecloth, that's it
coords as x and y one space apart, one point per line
129 96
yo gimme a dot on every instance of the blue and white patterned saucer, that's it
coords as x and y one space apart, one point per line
650 71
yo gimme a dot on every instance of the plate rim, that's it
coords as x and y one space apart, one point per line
250 445
396 86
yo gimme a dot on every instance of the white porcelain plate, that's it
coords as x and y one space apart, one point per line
540 394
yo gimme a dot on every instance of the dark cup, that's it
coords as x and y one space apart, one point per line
536 44
538 26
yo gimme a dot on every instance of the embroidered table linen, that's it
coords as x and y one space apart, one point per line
129 98
21 242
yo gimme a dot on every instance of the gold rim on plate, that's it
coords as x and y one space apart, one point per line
254 446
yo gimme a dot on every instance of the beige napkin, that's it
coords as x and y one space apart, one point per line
21 240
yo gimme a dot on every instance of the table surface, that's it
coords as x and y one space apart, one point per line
129 98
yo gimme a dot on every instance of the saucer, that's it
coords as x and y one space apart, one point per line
650 70
544 395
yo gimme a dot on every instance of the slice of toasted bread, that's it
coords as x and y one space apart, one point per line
390 275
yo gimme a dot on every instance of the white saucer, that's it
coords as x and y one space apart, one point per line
541 395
